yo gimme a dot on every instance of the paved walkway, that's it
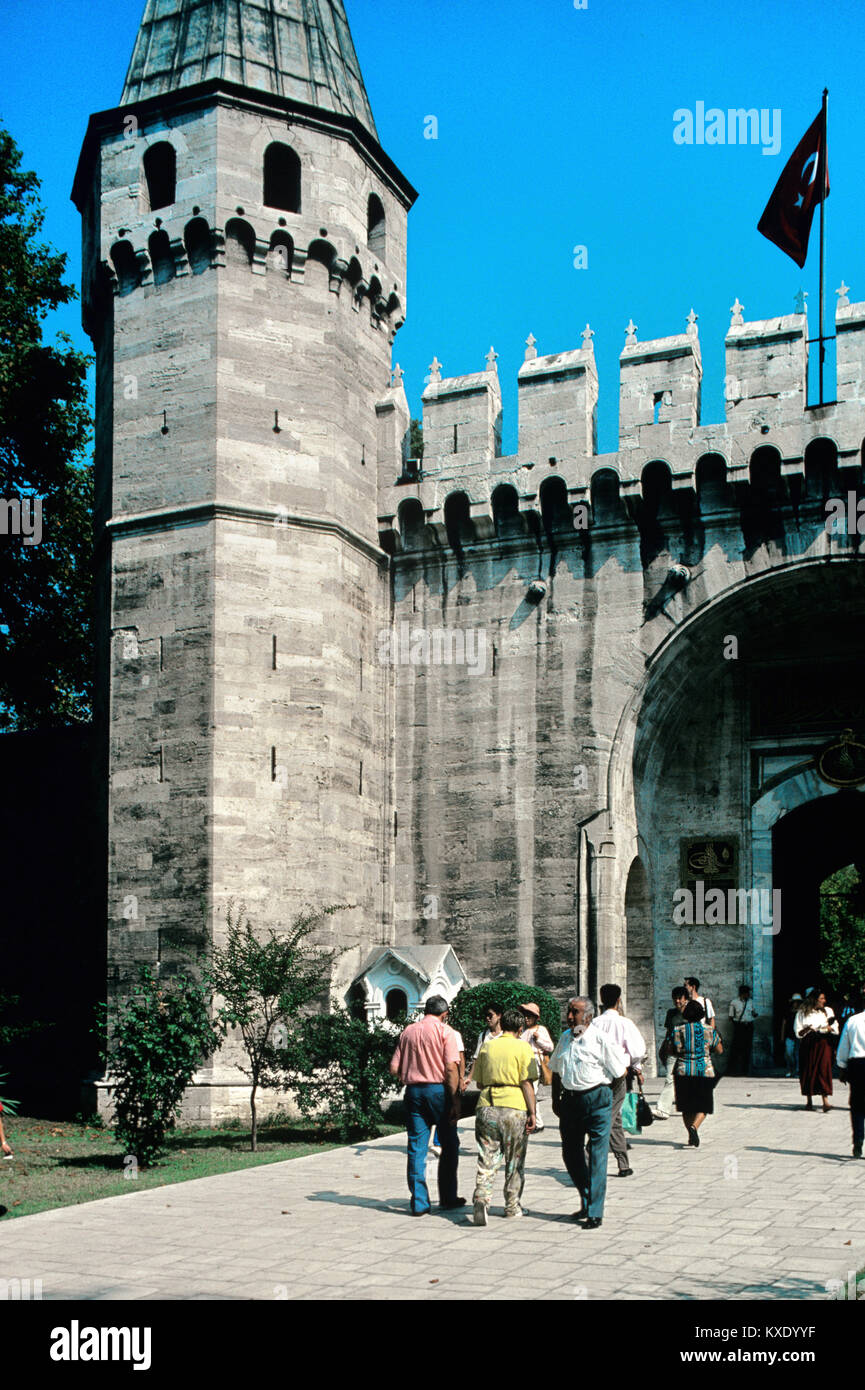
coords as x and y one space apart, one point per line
770 1207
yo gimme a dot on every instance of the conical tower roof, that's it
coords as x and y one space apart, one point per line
300 49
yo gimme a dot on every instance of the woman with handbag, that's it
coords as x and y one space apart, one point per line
693 1041
539 1040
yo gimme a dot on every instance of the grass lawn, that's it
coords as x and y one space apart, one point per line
61 1164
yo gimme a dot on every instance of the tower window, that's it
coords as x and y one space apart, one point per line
160 174
281 178
375 225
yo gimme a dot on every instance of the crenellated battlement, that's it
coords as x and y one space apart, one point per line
465 487
179 247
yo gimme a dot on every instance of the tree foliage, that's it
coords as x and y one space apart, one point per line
338 1068
163 1033
263 985
46 588
842 929
467 1010
416 440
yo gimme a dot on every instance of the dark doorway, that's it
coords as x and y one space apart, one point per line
396 1004
808 845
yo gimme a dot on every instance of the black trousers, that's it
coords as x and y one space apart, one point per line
740 1049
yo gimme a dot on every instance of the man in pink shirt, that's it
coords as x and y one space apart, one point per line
427 1064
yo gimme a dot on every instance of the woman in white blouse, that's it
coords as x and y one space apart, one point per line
815 1025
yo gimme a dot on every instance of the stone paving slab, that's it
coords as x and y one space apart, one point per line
769 1207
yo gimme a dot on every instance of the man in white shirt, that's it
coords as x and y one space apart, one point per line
584 1063
742 1015
851 1065
692 985
621 1030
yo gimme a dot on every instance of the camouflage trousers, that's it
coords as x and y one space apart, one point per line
502 1138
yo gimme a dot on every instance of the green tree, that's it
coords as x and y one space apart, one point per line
263 985
162 1034
467 1010
45 588
338 1067
416 440
842 928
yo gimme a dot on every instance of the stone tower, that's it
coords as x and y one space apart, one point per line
244 276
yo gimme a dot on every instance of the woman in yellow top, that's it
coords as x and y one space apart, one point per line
504 1072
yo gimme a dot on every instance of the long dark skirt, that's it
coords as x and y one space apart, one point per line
815 1065
695 1095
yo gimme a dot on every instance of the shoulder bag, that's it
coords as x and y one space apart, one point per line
644 1110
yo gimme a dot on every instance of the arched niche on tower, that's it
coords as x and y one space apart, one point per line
320 258
159 182
821 470
656 508
657 489
608 509
161 257
506 511
126 267
394 310
458 525
714 493
555 512
198 241
239 242
377 304
280 255
412 520
376 226
763 499
765 474
281 178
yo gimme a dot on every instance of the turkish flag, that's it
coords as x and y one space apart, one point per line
788 214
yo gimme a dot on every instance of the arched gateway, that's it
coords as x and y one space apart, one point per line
733 773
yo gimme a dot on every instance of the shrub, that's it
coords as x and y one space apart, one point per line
467 1010
338 1069
162 1034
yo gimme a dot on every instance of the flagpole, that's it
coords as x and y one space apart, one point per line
824 165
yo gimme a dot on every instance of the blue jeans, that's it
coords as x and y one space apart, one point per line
587 1115
427 1106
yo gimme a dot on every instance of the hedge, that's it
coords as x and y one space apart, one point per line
467 1010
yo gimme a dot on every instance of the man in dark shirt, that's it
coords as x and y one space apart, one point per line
674 1016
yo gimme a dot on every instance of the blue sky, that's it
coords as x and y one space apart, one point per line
555 130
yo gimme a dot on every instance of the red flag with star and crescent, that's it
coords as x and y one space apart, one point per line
787 218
